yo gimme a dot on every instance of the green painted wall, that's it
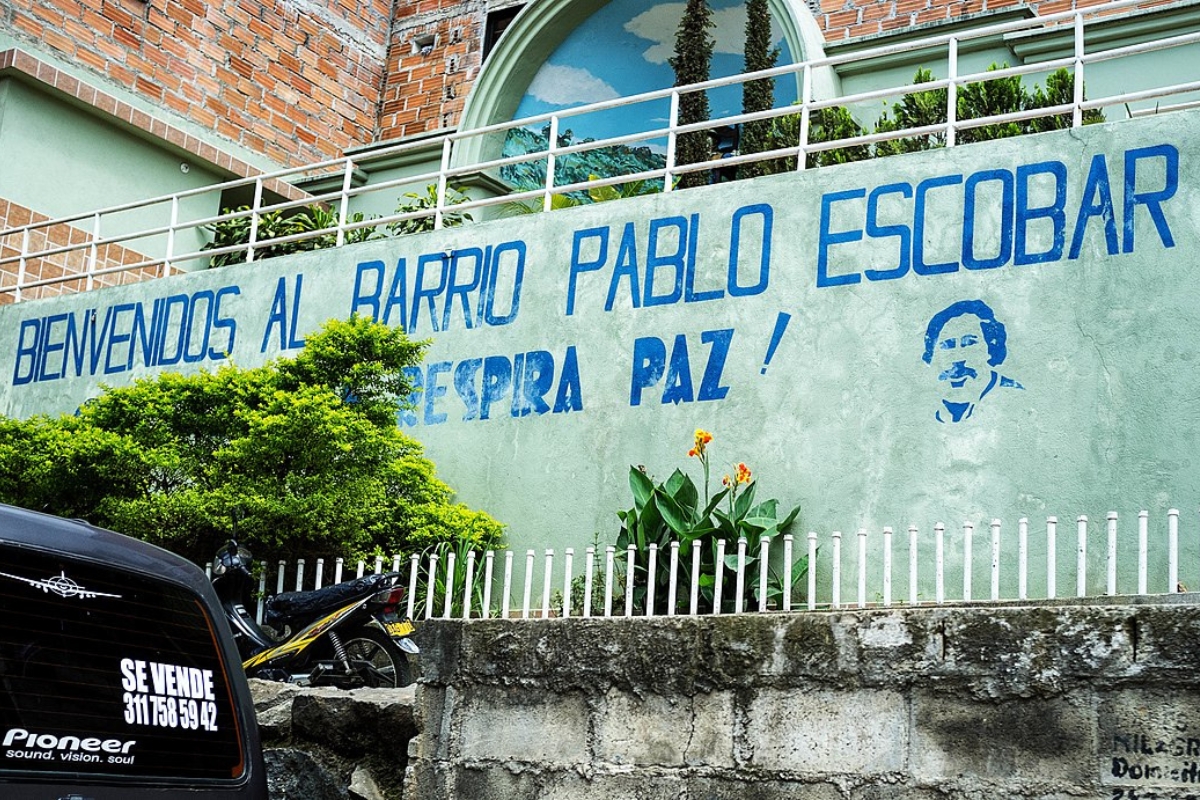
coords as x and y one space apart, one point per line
61 160
804 347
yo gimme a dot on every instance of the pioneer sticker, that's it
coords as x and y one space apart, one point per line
35 746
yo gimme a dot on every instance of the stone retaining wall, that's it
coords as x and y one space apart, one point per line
329 744
916 704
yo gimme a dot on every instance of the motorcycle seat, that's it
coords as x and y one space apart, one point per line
292 608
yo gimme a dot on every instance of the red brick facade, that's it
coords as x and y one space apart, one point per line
273 76
74 262
425 91
851 19
299 86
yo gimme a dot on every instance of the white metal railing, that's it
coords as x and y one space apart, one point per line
467 152
914 567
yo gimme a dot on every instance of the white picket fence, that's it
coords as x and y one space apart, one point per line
935 566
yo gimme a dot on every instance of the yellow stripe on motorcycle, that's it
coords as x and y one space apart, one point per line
301 640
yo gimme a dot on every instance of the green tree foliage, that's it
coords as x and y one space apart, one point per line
692 62
414 201
301 457
274 225
917 109
757 95
824 125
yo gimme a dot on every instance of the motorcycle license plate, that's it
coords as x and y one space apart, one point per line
399 629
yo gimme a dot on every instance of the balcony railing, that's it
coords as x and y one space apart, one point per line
37 257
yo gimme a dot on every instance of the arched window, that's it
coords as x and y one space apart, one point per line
556 55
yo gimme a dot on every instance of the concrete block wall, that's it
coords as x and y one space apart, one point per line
913 704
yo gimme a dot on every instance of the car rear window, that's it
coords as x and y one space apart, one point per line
109 673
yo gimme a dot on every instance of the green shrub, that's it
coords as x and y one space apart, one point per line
274 225
676 510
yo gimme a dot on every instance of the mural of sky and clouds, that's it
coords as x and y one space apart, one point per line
623 50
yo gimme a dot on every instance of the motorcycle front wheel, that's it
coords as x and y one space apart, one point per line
377 660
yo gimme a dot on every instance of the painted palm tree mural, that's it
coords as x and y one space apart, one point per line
623 50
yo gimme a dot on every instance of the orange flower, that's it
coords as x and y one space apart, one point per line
701 439
743 473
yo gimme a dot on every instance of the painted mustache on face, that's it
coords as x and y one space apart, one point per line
957 373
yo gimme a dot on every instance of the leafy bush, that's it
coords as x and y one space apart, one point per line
298 458
925 107
824 125
676 510
428 202
274 225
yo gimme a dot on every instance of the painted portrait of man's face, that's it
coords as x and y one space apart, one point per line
960 357
964 345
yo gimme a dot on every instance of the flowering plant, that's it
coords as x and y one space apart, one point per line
677 510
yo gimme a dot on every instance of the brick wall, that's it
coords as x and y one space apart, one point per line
848 19
434 57
73 262
302 83
297 82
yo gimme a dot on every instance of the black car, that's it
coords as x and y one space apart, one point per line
119 679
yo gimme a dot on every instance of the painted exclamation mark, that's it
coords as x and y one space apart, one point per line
781 323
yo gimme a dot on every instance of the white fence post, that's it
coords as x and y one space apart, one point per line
1111 560
887 566
968 533
812 570
740 576
995 559
588 569
862 567
1081 556
764 551
1173 550
1022 558
1051 557
836 576
1143 551
610 558
568 565
913 590
489 566
939 531
673 582
468 584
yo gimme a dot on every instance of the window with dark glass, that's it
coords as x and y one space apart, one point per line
497 22
109 673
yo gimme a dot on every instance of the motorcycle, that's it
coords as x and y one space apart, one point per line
350 635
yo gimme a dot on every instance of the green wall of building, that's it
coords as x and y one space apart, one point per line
788 315
59 159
